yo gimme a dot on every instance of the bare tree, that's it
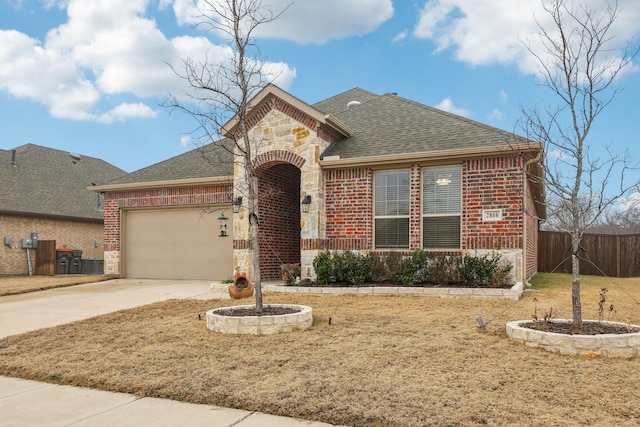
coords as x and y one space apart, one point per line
220 91
578 61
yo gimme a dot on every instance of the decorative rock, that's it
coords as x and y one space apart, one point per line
624 346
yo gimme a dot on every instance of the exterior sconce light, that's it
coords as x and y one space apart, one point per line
222 219
306 202
237 202
100 205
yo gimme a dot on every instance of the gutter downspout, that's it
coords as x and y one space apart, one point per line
536 159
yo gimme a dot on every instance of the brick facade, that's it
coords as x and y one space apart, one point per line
492 184
66 233
115 202
279 214
488 184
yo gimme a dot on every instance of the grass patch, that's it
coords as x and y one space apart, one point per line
13 285
383 361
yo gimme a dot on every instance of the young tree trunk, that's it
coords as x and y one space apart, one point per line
575 290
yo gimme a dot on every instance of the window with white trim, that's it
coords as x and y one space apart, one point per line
391 210
441 207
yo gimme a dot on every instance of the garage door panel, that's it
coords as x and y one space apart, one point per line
175 244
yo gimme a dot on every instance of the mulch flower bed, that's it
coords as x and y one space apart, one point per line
588 328
251 311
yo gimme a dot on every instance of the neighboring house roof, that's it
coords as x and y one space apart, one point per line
51 183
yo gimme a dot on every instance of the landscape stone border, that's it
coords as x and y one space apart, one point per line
260 325
624 346
513 293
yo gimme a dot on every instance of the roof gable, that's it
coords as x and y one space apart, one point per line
263 102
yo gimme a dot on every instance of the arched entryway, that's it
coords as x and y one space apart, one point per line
279 215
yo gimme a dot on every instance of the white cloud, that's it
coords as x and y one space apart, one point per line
107 49
185 141
126 111
484 32
400 36
308 22
496 115
503 95
447 105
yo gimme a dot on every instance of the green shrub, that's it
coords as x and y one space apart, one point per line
324 266
485 271
421 267
355 269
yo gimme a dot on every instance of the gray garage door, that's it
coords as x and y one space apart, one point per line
181 243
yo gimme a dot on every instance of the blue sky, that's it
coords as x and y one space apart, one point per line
88 76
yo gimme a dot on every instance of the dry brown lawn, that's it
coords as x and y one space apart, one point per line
11 285
383 361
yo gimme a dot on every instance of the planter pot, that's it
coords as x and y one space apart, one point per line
624 345
239 293
241 287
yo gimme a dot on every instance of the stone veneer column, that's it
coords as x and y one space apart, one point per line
279 138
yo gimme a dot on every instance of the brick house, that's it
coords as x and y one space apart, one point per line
44 191
357 171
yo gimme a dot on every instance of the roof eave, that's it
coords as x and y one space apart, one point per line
330 162
52 216
161 184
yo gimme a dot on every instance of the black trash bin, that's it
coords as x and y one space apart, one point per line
63 260
75 265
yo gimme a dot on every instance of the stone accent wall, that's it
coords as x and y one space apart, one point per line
72 234
283 135
115 202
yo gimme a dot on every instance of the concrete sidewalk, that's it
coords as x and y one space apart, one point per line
31 403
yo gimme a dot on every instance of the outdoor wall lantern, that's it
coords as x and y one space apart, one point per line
237 202
306 202
222 219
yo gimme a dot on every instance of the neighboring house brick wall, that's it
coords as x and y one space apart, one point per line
114 203
66 233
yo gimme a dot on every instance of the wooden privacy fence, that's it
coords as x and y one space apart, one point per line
611 255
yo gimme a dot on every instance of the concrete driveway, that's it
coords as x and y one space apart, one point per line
37 310
30 403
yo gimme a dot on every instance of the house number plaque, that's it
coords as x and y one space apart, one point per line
491 214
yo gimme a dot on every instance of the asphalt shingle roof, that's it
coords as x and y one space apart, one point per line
212 160
381 124
389 125
49 182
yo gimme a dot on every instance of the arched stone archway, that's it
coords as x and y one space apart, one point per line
279 215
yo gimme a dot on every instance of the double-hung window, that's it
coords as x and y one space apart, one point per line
392 194
441 207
